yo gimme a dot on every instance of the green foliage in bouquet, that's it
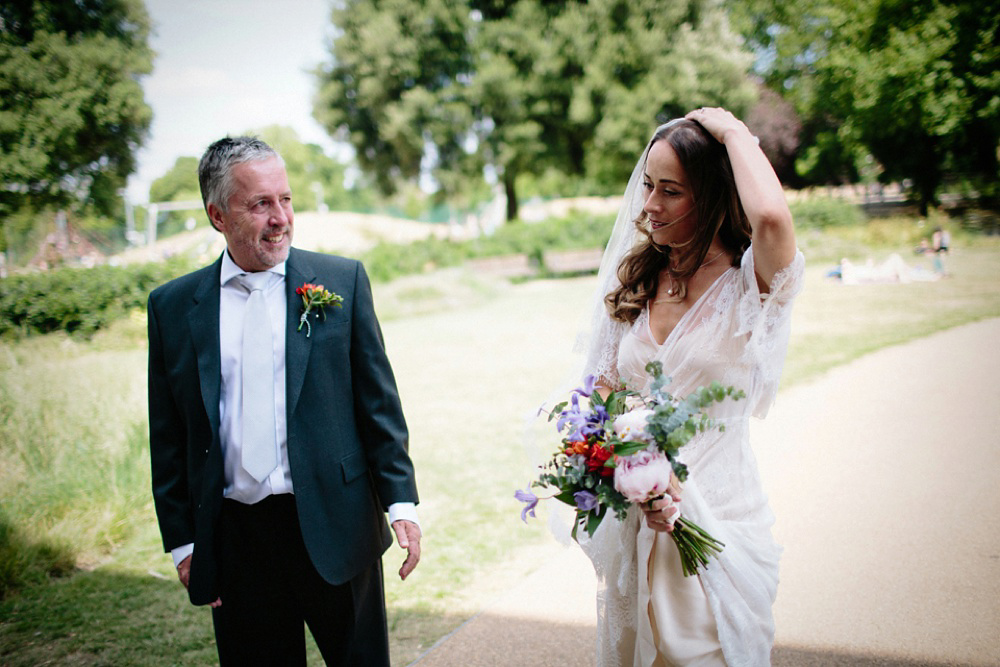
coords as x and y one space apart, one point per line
674 422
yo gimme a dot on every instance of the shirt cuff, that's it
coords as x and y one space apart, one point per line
180 553
403 511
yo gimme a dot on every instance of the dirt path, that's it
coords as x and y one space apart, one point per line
883 476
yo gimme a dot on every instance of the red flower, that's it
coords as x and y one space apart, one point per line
315 297
599 455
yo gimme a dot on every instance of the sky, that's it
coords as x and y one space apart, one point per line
225 67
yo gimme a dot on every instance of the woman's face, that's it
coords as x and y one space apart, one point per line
669 203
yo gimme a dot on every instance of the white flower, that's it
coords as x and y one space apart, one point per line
643 476
631 426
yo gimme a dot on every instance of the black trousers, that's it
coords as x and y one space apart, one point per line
270 591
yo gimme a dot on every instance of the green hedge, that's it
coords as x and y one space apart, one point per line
81 301
78 301
823 212
388 261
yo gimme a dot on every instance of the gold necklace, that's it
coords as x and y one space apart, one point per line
673 289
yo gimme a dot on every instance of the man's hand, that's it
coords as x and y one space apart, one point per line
408 536
184 574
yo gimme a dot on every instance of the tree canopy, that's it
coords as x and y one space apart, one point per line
456 89
72 111
916 85
180 183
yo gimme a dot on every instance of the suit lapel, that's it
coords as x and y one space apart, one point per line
297 344
204 322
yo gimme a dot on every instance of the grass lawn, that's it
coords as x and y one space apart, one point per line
474 360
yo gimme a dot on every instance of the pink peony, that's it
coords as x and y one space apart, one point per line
643 476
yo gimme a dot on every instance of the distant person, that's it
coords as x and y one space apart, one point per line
892 270
941 241
273 465
700 274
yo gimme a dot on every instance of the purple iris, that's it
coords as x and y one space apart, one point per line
573 418
583 424
585 500
589 383
530 500
595 421
575 421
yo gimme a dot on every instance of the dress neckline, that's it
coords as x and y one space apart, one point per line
687 313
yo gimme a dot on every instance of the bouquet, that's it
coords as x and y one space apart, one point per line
611 457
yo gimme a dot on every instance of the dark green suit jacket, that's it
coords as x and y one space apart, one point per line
347 439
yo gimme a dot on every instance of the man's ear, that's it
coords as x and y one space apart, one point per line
215 216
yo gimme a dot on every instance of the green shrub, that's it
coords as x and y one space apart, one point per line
824 212
388 261
78 301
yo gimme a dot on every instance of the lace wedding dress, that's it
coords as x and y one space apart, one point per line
649 613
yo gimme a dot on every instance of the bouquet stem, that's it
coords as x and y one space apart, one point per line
694 545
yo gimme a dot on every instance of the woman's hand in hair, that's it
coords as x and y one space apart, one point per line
720 123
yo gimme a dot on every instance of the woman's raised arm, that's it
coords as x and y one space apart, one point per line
760 192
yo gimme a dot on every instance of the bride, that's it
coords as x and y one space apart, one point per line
700 274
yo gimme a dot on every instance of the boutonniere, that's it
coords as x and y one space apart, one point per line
314 298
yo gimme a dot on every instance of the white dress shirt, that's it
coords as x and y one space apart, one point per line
239 484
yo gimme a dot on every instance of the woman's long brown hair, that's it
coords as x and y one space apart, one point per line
718 210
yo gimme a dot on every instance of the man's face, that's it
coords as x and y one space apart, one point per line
258 225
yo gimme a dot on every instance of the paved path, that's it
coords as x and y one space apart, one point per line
884 476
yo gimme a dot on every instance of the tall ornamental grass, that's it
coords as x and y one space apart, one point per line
73 454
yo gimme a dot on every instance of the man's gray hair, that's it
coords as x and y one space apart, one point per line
215 170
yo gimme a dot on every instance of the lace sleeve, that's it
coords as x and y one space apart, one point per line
766 320
602 355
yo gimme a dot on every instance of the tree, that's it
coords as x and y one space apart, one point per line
520 86
179 184
777 125
915 84
397 66
926 101
72 112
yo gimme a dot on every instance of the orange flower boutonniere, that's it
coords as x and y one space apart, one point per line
314 299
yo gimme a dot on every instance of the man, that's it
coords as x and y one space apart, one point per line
276 448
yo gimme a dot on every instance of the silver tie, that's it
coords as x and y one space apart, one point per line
259 451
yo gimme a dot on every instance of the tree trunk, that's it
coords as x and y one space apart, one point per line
928 177
511 192
926 193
